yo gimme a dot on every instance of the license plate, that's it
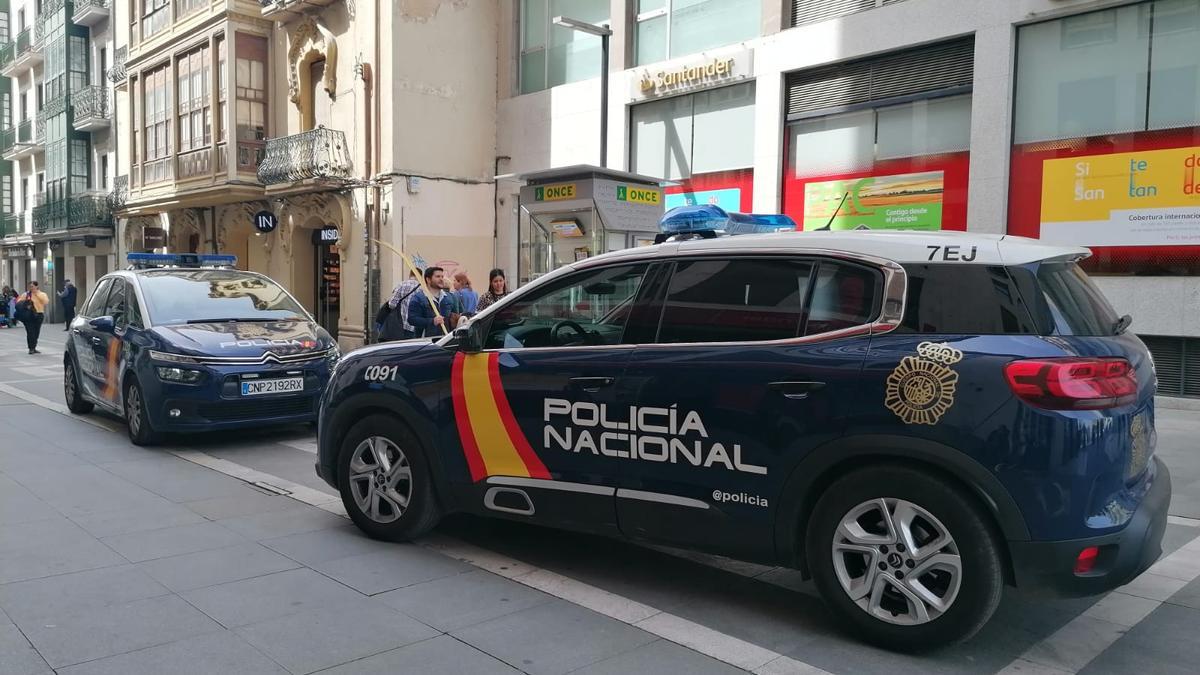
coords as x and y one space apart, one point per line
277 386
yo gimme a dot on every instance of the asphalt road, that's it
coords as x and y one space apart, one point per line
226 554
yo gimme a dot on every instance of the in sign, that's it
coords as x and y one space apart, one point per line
265 221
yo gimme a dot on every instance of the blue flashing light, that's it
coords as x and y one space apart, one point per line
694 218
143 260
760 223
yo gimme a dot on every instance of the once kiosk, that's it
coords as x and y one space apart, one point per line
576 212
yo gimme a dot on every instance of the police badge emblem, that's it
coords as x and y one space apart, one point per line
921 389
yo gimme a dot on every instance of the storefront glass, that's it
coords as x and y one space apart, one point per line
670 28
1107 136
703 141
896 167
552 55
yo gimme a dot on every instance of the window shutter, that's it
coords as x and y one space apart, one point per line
812 11
917 71
1169 362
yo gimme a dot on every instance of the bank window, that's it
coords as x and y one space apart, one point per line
587 308
735 301
670 28
251 111
681 137
552 55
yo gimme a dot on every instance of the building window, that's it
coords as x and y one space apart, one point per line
25 106
156 125
552 55
1106 126
20 20
103 171
4 34
194 73
41 96
704 141
25 205
185 7
222 107
80 156
102 60
156 15
251 86
670 28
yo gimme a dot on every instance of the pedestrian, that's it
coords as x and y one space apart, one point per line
426 322
33 313
468 299
7 308
395 325
67 297
497 288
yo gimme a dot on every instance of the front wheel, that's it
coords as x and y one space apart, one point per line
141 432
385 480
76 403
907 561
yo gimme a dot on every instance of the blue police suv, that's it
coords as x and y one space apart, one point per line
185 343
911 419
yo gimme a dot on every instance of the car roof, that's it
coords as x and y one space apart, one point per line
901 247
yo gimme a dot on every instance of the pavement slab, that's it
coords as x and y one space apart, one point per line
216 566
273 595
46 600
222 652
172 541
17 655
438 656
50 547
463 600
114 523
399 566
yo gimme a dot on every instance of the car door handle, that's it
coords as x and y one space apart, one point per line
591 384
796 390
96 341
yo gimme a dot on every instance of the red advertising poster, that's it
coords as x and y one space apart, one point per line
731 190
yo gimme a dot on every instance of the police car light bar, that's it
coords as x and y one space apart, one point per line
146 260
708 221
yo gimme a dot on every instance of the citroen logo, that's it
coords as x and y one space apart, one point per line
269 357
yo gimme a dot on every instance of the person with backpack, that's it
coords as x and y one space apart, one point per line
32 308
394 314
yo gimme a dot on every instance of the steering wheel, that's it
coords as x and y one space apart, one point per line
567 323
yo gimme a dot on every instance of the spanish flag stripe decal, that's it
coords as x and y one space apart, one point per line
499 454
463 420
533 465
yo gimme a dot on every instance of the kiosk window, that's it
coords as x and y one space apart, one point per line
735 301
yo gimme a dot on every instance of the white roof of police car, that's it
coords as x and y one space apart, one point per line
901 247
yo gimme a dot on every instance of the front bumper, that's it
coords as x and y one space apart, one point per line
217 404
1048 566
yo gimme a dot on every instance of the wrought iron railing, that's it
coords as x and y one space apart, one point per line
120 193
81 5
318 154
91 102
8 52
8 139
71 214
116 73
11 224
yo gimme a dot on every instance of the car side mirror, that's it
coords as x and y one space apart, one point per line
470 338
104 324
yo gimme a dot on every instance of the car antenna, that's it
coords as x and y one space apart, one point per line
835 212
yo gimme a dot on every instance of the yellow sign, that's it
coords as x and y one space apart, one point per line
685 76
921 389
1124 199
639 195
553 193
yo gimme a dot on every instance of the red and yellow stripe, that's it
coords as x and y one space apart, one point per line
491 438
112 369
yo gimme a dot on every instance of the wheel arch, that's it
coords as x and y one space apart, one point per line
813 475
403 408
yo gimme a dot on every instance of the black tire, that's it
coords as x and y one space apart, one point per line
981 574
137 421
71 391
422 511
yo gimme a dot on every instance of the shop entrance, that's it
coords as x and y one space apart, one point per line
328 277
578 212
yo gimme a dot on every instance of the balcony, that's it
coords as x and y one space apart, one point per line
11 225
21 141
120 193
93 109
306 160
116 72
26 52
90 12
88 213
286 10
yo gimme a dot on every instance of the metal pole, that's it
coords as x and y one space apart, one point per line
604 103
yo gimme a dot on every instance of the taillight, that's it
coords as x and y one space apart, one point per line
1072 383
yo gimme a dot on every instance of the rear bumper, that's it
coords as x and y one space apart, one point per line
1048 566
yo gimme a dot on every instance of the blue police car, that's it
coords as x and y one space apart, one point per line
184 343
914 420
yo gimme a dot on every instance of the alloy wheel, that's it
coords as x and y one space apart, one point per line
381 479
897 561
69 382
133 410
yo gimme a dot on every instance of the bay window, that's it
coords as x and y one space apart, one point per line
156 125
251 110
194 118
670 28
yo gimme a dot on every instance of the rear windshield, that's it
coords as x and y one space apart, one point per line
1069 303
215 295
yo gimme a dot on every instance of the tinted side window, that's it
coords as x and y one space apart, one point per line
1070 304
844 296
735 301
116 303
968 299
99 299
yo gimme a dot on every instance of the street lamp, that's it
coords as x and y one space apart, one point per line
604 34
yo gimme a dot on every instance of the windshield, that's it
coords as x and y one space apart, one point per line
216 295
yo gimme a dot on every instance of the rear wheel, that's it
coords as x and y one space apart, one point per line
141 432
905 560
71 391
385 481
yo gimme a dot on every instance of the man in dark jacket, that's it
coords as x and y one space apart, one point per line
67 297
421 315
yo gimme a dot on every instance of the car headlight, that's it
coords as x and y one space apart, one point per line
179 375
171 358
